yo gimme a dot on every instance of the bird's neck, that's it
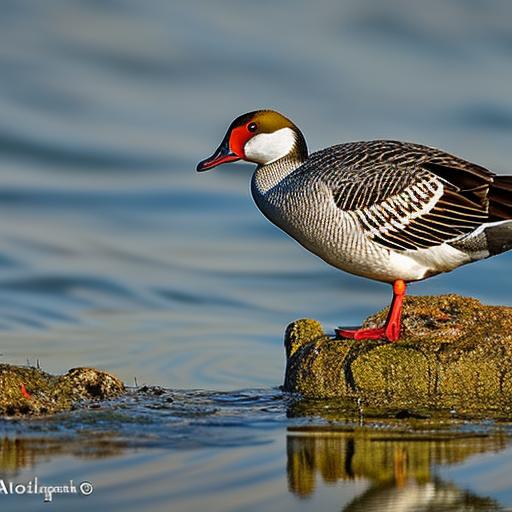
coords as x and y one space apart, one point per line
267 176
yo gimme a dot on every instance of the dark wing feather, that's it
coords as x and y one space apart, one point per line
408 196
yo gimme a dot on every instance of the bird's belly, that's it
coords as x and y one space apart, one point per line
337 238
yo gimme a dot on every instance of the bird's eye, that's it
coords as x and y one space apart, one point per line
252 127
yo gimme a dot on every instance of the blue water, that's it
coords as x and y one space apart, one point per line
114 253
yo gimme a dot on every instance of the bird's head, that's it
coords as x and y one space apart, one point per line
261 137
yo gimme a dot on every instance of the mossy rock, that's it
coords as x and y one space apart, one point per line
31 391
453 352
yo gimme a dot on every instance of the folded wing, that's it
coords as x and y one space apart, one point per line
415 197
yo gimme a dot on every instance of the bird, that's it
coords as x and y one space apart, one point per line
395 212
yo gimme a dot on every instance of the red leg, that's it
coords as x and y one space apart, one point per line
391 329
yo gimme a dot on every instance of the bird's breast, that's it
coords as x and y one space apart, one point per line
309 215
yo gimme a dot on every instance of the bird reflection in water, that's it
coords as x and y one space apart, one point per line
399 467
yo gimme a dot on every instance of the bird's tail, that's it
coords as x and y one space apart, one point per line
499 237
500 198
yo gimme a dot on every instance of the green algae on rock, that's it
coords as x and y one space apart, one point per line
454 352
26 390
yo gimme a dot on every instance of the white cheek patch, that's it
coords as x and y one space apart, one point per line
266 148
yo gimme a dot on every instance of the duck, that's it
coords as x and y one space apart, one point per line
395 212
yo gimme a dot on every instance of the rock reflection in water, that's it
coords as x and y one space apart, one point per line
398 466
19 453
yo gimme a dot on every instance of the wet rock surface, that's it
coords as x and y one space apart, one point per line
31 391
454 354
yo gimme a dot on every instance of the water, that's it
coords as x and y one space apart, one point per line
114 253
254 449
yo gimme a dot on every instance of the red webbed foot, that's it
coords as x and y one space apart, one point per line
391 329
361 334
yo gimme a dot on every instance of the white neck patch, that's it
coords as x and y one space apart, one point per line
266 148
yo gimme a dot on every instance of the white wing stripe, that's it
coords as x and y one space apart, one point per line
374 218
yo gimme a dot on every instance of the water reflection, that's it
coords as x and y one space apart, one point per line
20 453
189 448
400 468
